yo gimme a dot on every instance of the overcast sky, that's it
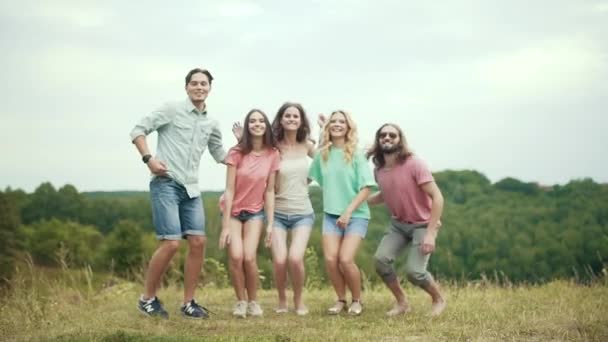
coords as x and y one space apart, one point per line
507 88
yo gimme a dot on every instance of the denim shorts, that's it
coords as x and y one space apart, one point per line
292 221
245 215
357 225
174 214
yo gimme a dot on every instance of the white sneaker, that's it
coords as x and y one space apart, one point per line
254 309
281 310
355 308
336 308
302 311
240 309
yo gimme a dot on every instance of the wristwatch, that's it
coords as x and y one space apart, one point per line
146 158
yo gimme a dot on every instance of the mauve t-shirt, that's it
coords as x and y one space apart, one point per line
402 192
252 172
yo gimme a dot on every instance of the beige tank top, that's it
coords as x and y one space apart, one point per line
292 180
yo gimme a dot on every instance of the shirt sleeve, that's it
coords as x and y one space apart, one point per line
276 160
154 121
234 157
422 173
365 177
314 172
215 145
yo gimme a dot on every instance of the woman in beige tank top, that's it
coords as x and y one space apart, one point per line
293 210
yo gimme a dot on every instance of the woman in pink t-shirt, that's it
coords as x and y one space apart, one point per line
248 199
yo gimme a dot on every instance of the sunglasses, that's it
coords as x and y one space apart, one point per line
392 135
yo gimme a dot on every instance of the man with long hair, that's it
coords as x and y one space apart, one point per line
415 202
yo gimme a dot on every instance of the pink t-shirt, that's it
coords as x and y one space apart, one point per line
252 172
400 187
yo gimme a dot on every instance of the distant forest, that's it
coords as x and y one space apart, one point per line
510 231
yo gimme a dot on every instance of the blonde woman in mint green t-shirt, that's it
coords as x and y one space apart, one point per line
345 178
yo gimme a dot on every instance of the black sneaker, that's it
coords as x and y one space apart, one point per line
152 307
193 310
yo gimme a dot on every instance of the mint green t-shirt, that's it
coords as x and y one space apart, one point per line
341 181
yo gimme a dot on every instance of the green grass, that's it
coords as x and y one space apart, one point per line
41 308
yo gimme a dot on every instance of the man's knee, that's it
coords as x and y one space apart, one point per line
418 278
196 242
384 267
170 246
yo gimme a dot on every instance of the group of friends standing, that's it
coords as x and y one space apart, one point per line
266 195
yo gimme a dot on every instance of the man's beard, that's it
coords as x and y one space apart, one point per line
389 148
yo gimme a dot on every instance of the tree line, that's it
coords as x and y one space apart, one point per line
510 230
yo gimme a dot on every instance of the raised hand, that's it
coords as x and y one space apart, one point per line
237 130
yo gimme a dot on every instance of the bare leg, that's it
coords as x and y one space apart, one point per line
192 267
235 255
348 250
397 291
299 241
331 249
158 265
279 263
439 303
251 238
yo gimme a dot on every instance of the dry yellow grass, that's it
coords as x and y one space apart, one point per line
73 308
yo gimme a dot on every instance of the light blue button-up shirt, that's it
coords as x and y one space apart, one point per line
183 135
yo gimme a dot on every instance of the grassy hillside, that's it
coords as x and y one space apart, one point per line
82 306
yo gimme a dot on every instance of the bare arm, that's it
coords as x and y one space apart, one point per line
433 191
310 149
269 207
157 167
228 198
428 242
375 199
344 219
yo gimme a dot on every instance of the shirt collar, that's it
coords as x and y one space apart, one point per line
190 107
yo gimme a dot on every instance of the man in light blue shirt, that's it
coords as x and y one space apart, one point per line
184 132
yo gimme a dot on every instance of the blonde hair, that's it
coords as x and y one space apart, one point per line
350 140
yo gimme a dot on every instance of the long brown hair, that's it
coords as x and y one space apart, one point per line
304 129
245 144
375 152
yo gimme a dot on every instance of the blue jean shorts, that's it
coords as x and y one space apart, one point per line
293 221
357 225
175 215
245 215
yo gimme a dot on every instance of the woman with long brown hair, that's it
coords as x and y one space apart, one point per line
248 199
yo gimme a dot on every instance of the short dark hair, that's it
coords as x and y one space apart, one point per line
196 71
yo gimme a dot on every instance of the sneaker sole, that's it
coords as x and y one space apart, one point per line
193 318
150 316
